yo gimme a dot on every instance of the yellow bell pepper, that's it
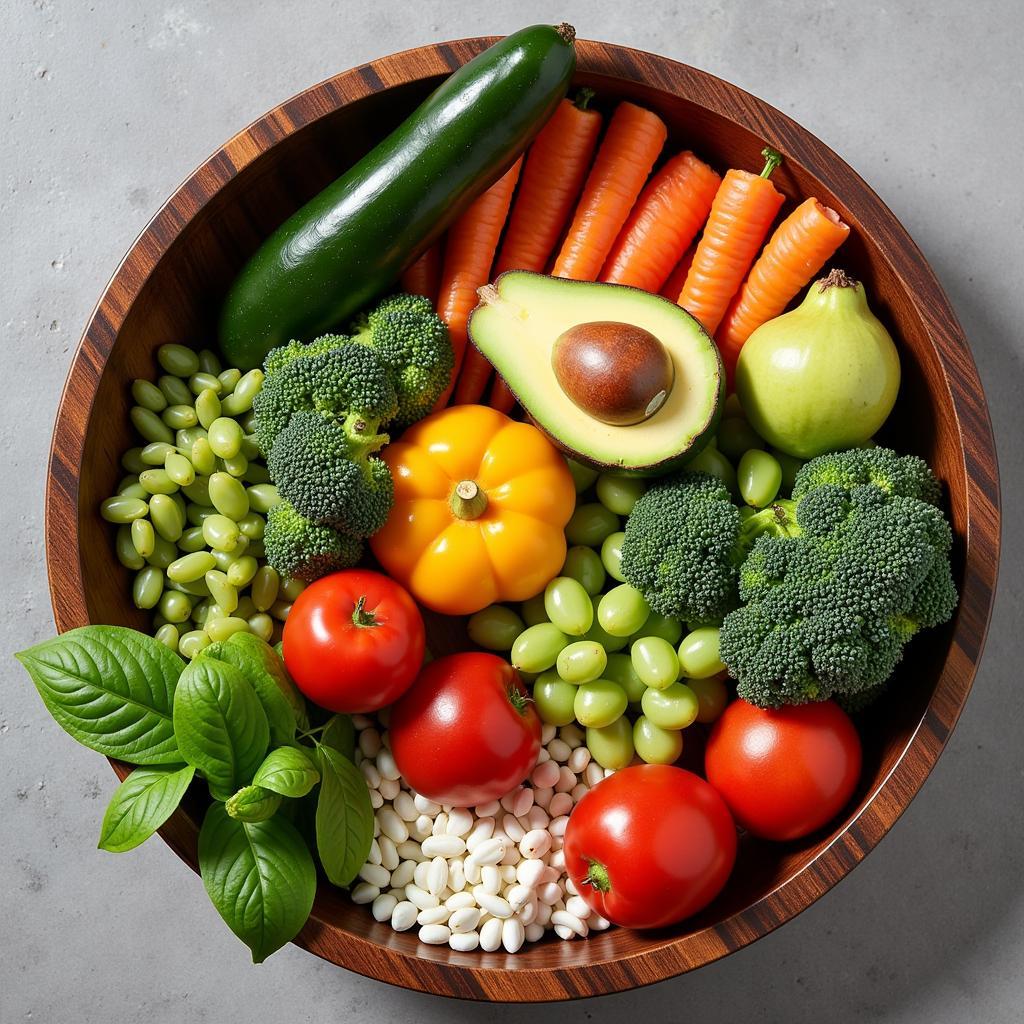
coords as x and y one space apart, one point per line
481 502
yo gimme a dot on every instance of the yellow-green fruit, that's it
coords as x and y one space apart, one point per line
822 377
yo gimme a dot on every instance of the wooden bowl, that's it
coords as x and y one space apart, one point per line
168 289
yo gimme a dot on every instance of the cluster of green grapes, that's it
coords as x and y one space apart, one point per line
595 652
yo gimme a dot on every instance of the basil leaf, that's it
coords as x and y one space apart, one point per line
344 817
110 688
260 876
141 804
340 735
264 670
288 771
252 803
221 727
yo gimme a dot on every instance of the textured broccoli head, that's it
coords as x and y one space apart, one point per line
897 475
299 548
324 469
345 381
412 341
279 357
829 611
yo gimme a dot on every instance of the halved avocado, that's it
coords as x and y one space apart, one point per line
522 315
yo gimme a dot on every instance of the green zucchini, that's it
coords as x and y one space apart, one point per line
350 242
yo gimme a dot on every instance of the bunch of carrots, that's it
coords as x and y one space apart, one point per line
594 212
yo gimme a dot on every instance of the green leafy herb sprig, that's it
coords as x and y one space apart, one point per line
234 718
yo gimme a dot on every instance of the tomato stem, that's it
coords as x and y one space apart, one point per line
360 616
518 699
597 876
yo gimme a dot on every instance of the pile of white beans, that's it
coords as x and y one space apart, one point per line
487 877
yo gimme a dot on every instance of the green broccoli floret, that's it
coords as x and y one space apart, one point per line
302 549
685 541
345 382
828 611
324 468
411 340
905 475
279 357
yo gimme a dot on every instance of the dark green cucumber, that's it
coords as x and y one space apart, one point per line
350 242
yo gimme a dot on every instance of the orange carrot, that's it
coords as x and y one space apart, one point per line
552 179
624 160
469 253
670 211
422 277
743 211
674 285
799 248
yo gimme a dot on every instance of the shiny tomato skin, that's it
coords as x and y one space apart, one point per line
663 837
345 666
465 732
784 773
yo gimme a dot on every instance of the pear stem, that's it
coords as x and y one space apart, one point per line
837 278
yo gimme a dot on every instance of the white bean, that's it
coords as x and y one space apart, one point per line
471 870
403 917
490 935
375 875
563 932
373 857
444 846
439 824
435 915
492 903
572 735
518 896
578 906
426 806
556 859
364 892
594 774
487 810
542 797
528 912
437 876
410 850
460 821
561 803
392 825
421 874
389 788
456 876
543 914
386 765
598 923
512 827
420 897
547 733
512 856
549 874
523 802
490 879
383 907
538 818
566 780
567 920
405 807
465 919
388 853
369 742
370 773
459 901
549 893
529 871
403 874
362 721
513 935
464 942
534 932
376 800
559 750
535 844
579 759
490 851
483 829
508 872
570 887
543 756
545 775
508 801
558 825
435 934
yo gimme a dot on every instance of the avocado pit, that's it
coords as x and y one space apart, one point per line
618 373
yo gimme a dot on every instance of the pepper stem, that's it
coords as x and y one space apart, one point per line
597 876
360 616
837 278
468 501
772 159
583 98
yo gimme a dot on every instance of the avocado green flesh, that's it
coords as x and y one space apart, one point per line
515 327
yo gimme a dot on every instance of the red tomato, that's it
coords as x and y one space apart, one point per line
466 732
650 845
353 641
783 773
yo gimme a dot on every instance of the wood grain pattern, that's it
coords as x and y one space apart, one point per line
167 289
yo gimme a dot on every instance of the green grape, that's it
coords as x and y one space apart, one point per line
537 647
532 610
655 662
554 699
712 461
675 707
759 476
581 662
790 467
712 696
590 524
597 633
611 555
698 653
622 610
495 628
735 436
599 703
582 476
654 744
620 670
583 564
568 605
660 625
619 494
612 746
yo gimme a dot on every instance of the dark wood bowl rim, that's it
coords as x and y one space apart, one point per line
664 958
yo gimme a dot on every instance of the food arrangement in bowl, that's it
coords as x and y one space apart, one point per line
536 535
